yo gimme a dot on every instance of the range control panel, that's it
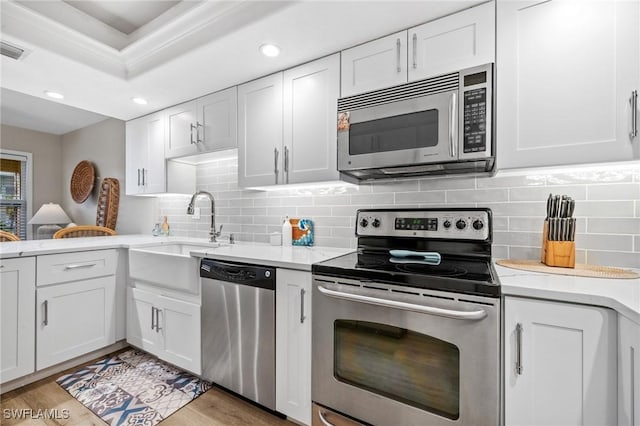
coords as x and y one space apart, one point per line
471 224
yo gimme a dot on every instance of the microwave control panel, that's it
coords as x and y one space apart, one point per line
475 120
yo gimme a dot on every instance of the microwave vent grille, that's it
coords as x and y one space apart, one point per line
415 89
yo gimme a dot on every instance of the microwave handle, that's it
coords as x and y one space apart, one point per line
453 124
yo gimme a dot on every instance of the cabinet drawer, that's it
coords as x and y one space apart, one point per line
59 268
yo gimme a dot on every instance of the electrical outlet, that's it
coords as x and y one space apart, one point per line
196 213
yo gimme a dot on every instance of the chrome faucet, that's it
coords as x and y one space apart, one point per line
213 234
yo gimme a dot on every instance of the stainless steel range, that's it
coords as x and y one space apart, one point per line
406 331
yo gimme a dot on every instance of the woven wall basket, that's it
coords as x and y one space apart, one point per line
108 203
82 180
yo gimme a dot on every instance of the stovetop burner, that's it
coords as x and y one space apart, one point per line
465 250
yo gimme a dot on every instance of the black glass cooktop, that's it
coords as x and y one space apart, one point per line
454 273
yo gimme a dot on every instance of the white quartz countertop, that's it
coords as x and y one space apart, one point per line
622 295
278 256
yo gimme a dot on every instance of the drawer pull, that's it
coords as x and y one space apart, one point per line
323 419
80 266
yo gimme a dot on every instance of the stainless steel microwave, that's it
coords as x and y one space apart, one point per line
440 125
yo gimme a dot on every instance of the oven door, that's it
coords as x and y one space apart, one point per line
390 355
403 133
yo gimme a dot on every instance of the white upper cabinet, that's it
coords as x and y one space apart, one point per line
462 40
260 131
144 150
287 125
311 93
566 71
203 125
374 65
560 364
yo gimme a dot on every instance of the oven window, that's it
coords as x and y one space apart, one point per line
406 366
406 131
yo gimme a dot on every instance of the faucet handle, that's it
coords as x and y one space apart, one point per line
220 231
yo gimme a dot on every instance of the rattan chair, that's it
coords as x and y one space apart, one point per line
84 231
8 236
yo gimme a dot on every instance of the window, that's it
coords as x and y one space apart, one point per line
14 192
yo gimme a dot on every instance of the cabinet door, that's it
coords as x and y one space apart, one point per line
374 65
135 154
141 320
17 317
73 319
218 118
179 327
182 131
144 155
293 344
311 93
462 40
566 71
260 132
628 372
568 360
154 172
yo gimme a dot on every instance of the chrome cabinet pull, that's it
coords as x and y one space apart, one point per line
415 50
398 69
45 320
275 162
431 310
153 314
138 177
519 349
191 135
634 114
158 328
453 124
198 125
302 317
80 266
286 163
322 418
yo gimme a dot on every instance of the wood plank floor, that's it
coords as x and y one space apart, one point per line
215 407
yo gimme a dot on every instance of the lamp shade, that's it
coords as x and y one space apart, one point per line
49 214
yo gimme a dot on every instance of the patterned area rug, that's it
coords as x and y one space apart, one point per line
133 388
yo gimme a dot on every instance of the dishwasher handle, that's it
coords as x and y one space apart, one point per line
239 273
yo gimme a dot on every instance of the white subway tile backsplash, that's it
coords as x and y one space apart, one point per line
607 208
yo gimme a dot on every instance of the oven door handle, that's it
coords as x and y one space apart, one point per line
431 310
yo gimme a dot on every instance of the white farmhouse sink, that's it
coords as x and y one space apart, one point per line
168 265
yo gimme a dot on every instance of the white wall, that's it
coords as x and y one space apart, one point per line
103 145
607 207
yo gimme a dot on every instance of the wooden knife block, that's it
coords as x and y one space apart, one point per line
557 253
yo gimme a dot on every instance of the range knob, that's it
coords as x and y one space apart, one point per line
376 223
461 224
447 224
364 222
477 224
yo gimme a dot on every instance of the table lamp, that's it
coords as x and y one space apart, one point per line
48 217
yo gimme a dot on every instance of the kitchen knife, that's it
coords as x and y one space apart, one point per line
549 203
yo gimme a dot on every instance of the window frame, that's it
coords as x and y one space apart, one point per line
28 157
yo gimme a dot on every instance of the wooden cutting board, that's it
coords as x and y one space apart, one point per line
580 270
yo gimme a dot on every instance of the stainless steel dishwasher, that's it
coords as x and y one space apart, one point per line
238 328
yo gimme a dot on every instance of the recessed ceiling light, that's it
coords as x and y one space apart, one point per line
54 95
139 101
270 50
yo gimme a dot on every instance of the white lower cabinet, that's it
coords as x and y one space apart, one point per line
166 327
628 372
17 317
560 364
74 318
293 344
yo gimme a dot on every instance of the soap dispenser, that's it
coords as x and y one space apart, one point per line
287 239
165 226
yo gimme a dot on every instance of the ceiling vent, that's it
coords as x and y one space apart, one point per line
10 51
